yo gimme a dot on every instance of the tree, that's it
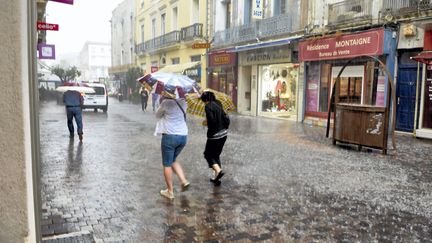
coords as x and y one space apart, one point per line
65 75
131 76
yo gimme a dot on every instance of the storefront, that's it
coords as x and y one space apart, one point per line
268 82
424 95
362 81
222 73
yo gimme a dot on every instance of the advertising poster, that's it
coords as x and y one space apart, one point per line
380 91
427 109
312 95
258 9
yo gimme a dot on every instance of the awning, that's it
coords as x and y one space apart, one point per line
424 57
179 68
265 44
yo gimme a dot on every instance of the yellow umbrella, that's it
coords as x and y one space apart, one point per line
197 107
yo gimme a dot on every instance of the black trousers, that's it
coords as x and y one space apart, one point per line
213 149
144 103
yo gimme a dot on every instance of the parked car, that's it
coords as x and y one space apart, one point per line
98 100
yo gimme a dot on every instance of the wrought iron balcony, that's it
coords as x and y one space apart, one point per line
236 34
402 7
274 26
191 32
279 25
162 41
140 49
350 11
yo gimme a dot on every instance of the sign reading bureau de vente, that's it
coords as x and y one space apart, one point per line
345 46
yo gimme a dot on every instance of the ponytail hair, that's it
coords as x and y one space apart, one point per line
208 96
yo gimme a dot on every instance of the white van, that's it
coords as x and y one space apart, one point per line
98 100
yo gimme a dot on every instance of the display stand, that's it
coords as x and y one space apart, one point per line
358 124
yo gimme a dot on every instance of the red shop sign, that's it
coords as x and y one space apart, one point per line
345 46
46 26
222 59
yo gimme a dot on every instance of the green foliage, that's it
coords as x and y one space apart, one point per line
65 75
131 76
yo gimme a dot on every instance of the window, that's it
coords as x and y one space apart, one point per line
277 7
248 11
163 24
228 16
153 28
195 11
351 83
175 60
324 87
142 33
142 3
131 55
174 19
283 6
195 58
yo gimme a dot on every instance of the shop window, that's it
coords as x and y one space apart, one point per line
350 90
278 87
351 83
324 87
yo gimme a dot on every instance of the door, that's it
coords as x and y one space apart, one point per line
405 97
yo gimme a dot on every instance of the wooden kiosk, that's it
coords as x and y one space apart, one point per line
360 124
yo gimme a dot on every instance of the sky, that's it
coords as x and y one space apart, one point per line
85 20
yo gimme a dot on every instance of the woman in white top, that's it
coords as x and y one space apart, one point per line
172 126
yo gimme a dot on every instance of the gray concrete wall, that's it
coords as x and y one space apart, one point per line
15 159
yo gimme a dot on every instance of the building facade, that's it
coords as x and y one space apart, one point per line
262 37
122 43
395 31
166 32
94 61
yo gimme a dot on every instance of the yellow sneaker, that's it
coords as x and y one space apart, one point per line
185 186
167 194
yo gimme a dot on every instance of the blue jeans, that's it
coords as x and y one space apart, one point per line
171 146
71 113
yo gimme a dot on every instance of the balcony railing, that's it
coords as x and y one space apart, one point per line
162 41
274 26
140 49
236 34
401 7
350 11
191 32
280 24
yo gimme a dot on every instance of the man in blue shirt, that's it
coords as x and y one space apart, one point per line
73 102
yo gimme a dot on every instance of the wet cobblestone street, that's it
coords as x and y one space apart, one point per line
284 182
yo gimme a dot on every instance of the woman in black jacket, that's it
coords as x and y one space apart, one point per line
216 134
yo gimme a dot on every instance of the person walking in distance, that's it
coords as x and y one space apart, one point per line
144 99
155 101
217 123
73 101
172 126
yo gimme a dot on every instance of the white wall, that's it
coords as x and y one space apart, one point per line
17 208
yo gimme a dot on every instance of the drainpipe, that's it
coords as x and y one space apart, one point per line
416 100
